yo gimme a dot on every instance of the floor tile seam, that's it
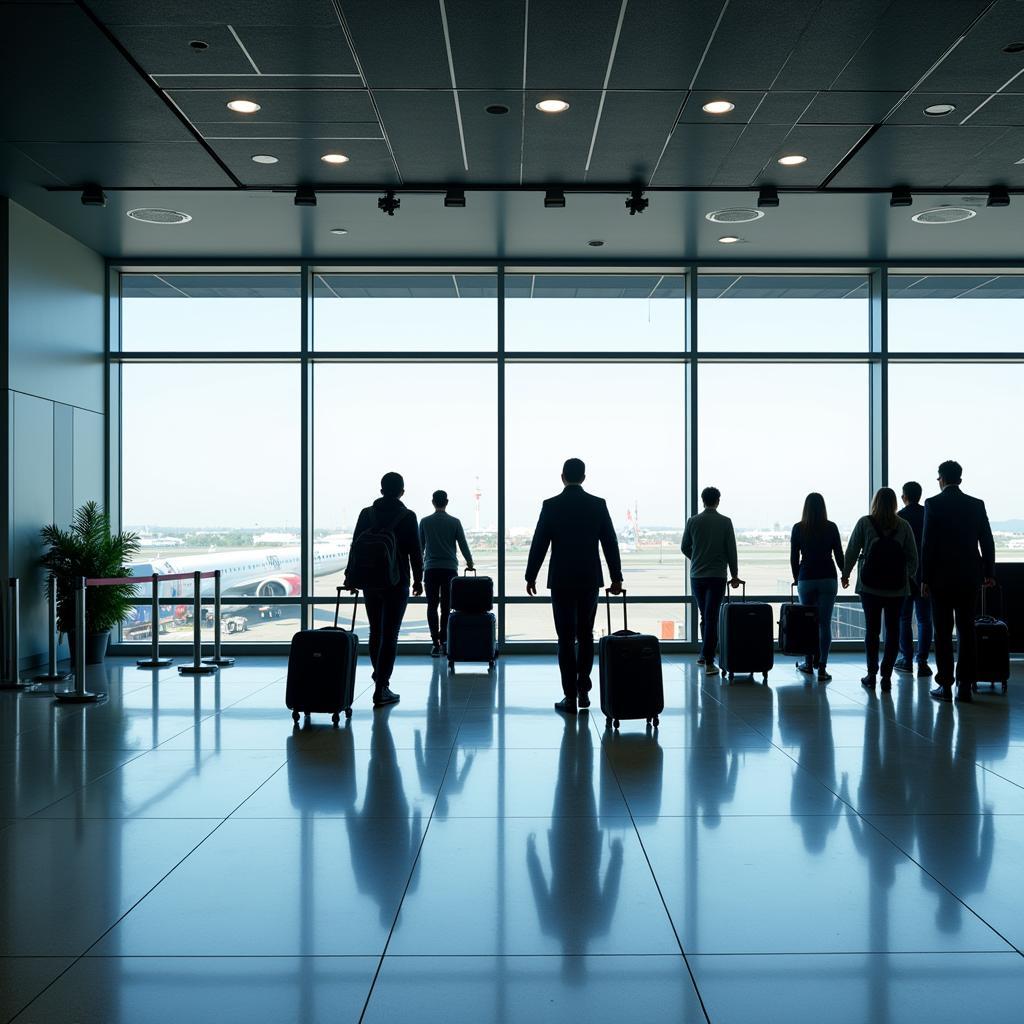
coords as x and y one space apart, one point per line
1000 775
803 954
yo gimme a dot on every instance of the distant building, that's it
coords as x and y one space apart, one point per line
276 538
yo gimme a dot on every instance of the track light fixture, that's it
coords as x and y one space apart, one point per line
305 195
388 203
455 198
901 197
554 199
768 196
998 196
636 203
93 195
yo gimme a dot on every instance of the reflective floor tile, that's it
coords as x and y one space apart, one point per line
67 882
173 784
528 989
532 886
530 728
940 988
310 886
811 884
209 990
24 977
1007 762
701 724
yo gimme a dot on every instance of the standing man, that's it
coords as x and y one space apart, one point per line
958 556
709 542
385 551
574 525
440 535
913 513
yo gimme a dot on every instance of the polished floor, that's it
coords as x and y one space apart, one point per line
786 853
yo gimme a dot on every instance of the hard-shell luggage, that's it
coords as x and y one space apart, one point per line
471 593
629 668
322 669
992 637
798 628
745 638
472 636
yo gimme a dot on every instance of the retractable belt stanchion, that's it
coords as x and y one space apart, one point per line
51 675
12 670
217 659
197 668
79 695
154 660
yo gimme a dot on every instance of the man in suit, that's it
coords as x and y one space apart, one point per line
913 513
574 525
957 557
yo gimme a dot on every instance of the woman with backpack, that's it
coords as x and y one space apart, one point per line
883 549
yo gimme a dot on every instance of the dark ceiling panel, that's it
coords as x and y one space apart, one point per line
493 141
850 107
695 152
556 145
746 104
569 43
782 107
277 104
632 134
211 286
593 286
254 81
753 149
165 49
782 286
487 43
824 145
209 12
299 161
1004 109
996 164
326 130
298 49
405 286
424 134
956 286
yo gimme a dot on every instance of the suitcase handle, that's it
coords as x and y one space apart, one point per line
743 591
608 605
984 588
467 571
337 608
792 593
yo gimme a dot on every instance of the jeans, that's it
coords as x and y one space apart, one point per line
959 605
875 609
385 610
437 583
923 607
708 592
820 594
574 612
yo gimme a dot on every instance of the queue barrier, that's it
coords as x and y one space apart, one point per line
10 679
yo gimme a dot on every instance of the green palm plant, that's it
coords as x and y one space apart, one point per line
89 549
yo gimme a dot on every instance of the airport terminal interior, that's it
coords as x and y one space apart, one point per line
257 254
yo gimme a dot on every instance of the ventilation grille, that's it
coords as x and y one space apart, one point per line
944 215
734 216
150 216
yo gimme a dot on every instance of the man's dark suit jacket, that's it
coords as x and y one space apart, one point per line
957 550
573 524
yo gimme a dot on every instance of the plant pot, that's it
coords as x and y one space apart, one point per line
95 647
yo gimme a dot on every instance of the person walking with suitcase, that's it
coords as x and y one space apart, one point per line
815 553
441 538
709 542
385 551
913 512
883 549
958 556
576 526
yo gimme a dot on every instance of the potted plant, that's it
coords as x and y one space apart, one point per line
89 549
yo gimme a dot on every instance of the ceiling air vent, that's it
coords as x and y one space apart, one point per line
151 216
944 215
739 215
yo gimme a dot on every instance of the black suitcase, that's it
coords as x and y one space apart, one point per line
629 669
992 637
471 593
472 636
798 628
745 638
322 669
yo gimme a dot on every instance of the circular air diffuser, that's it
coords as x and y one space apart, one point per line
151 216
944 215
739 215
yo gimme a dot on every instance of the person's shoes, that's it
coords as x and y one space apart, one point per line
700 659
384 697
823 676
886 683
444 650
943 693
963 694
566 705
583 700
904 665
868 682
711 669
923 670
435 651
805 666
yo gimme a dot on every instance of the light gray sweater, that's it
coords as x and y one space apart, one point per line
709 542
861 541
440 534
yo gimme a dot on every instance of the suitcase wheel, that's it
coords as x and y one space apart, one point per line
1004 687
348 712
295 717
764 678
607 722
334 718
451 667
656 721
732 676
616 723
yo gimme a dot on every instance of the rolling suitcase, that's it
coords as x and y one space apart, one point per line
471 593
472 636
798 628
992 637
322 669
629 668
745 637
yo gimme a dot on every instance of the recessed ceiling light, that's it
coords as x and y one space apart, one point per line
339 231
792 159
552 106
199 44
496 108
243 106
736 215
944 215
1020 161
596 243
334 158
153 216
264 158
718 107
729 239
940 109
1014 48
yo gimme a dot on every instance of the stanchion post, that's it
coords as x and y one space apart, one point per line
197 668
79 695
12 677
154 660
52 675
217 659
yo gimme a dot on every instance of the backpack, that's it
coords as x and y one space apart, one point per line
885 565
373 562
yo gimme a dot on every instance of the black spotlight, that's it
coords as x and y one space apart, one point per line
455 197
554 199
389 202
305 195
636 203
998 196
93 195
768 196
901 197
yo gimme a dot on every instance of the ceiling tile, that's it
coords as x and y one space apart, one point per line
165 49
487 50
290 130
569 43
999 163
277 104
299 162
399 47
298 49
556 145
254 81
222 12
979 63
824 145
746 104
782 107
753 149
633 130
424 134
850 107
695 152
493 141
